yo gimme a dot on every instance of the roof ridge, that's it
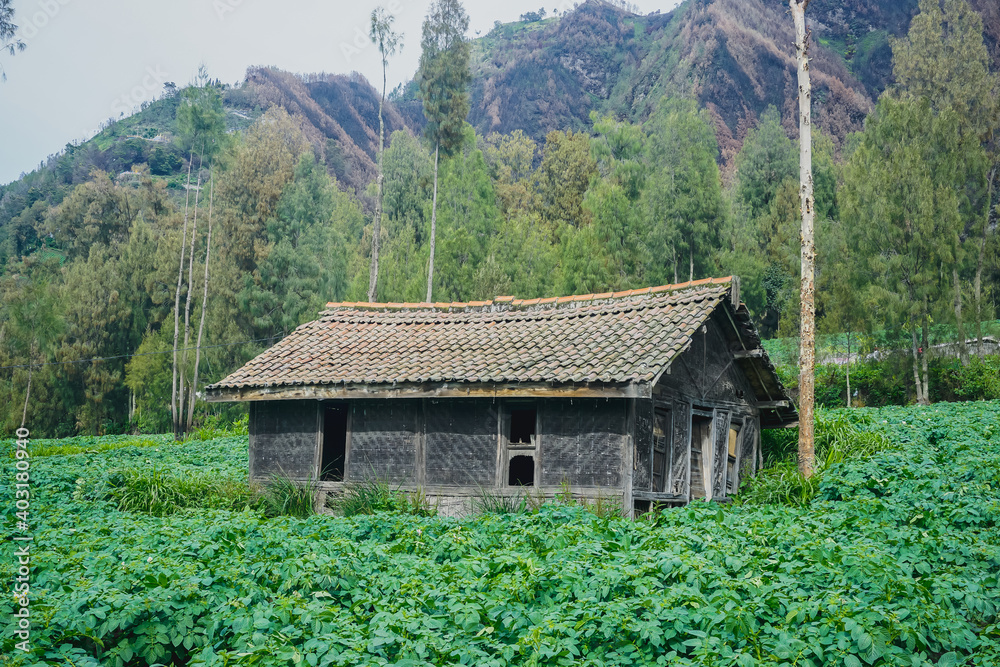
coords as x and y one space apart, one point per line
512 301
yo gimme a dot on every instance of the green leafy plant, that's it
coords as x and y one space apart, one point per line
893 564
840 436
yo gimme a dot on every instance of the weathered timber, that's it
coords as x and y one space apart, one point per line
456 390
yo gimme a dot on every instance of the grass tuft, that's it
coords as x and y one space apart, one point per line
376 495
284 496
160 493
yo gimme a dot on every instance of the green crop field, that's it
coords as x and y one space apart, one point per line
894 562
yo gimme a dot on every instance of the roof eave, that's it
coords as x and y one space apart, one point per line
636 389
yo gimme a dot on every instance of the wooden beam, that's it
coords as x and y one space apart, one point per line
659 497
756 353
768 405
442 390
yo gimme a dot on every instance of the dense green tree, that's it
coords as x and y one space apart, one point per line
563 178
251 186
766 160
903 217
511 159
444 78
301 259
469 217
409 171
32 324
201 118
682 201
944 61
97 212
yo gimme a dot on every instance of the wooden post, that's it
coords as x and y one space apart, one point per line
807 336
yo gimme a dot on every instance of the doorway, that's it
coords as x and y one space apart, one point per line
334 444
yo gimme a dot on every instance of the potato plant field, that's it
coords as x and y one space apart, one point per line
895 562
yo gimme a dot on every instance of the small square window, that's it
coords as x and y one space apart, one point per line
522 426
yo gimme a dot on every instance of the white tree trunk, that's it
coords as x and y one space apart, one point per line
807 337
187 306
204 301
174 408
379 179
434 207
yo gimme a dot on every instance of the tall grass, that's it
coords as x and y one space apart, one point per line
159 492
86 445
284 496
377 495
838 439
495 501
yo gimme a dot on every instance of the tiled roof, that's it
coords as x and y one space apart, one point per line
621 337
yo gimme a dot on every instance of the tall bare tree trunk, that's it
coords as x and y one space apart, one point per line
690 263
174 408
187 304
204 301
673 253
434 206
27 392
848 368
807 335
379 179
916 363
924 329
977 286
963 349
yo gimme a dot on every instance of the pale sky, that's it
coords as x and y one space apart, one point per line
87 60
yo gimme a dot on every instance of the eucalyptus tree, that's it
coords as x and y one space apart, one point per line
388 42
444 77
807 295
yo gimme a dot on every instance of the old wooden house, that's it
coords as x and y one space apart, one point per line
650 395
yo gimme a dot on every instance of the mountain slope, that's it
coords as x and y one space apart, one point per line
735 56
338 115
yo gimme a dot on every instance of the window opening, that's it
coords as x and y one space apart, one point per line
521 470
661 450
701 455
334 444
521 443
522 426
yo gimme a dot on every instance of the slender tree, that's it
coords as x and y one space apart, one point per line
204 301
187 303
200 124
175 409
388 42
444 76
807 339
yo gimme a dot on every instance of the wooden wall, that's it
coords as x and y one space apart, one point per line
283 439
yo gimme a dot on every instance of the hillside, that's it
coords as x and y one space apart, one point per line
338 115
734 56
